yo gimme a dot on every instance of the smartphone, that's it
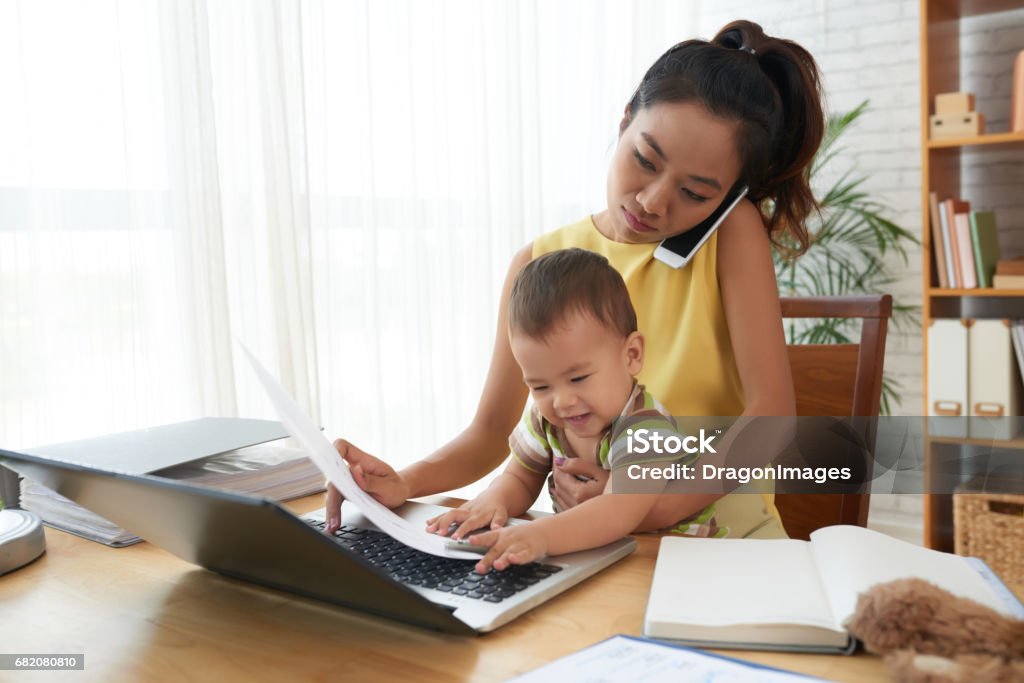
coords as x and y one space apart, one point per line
677 250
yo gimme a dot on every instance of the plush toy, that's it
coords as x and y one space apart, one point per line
928 635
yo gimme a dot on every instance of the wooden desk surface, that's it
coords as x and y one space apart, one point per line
139 613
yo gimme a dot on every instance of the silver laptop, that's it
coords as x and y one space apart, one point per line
258 540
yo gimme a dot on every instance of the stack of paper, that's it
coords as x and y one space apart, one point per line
268 471
60 513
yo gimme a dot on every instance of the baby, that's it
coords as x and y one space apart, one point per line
573 332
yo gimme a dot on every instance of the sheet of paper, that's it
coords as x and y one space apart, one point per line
321 452
623 658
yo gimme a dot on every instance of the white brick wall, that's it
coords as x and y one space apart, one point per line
871 50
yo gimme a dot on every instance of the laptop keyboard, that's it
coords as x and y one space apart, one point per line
445 574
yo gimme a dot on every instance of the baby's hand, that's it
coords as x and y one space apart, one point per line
519 544
482 511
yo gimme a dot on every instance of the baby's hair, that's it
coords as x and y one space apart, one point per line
772 87
556 284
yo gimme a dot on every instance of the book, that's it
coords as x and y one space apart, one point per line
794 595
1008 281
628 658
947 245
962 225
949 209
1010 266
985 238
938 242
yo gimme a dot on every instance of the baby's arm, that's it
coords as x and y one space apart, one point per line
510 494
591 524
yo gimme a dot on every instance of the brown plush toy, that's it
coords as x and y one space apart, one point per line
928 635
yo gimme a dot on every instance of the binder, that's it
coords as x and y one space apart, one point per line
992 384
947 377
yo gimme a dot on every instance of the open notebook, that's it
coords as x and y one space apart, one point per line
794 595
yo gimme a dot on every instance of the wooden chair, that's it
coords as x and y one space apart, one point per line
835 380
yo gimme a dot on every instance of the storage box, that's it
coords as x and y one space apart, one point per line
990 525
954 103
962 125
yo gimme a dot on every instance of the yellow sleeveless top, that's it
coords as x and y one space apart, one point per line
688 360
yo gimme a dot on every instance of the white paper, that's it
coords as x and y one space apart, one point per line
785 589
628 659
321 452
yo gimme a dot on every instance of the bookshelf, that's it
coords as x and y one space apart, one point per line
941 165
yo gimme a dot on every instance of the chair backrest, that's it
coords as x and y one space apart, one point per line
835 380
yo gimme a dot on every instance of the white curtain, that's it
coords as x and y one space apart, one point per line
339 185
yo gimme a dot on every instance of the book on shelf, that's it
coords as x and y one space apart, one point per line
803 594
1008 281
948 245
985 238
939 247
950 208
1010 266
962 225
217 452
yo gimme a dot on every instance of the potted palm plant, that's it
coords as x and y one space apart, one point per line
851 242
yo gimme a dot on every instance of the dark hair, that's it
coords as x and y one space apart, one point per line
772 88
556 284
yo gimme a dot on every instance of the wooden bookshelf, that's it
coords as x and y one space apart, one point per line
1006 444
941 172
988 292
990 139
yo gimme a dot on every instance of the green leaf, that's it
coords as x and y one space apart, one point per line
851 242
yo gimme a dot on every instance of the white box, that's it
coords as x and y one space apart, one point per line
947 378
992 379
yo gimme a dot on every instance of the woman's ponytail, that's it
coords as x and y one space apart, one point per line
794 73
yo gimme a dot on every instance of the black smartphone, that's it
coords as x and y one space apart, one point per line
677 250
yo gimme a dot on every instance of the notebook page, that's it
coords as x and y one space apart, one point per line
720 582
851 559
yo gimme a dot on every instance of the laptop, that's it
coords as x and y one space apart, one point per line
257 540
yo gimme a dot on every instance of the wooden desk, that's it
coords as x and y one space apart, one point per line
139 613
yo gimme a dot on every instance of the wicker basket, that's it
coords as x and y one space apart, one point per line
991 526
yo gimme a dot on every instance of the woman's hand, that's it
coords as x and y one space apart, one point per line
578 480
486 510
373 475
519 544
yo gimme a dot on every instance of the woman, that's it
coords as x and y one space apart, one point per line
743 110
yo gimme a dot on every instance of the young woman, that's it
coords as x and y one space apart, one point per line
743 110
